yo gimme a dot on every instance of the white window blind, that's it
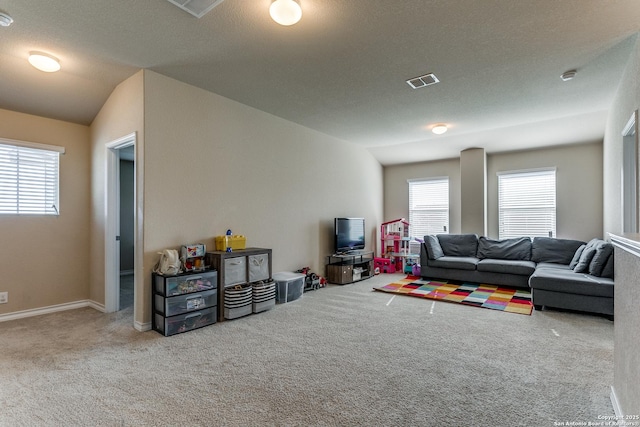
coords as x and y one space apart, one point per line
527 203
429 206
29 179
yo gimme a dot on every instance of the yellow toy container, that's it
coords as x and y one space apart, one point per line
234 242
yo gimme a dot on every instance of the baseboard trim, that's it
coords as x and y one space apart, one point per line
142 327
616 405
51 309
96 306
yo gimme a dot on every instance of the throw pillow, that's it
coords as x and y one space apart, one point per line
518 249
465 245
603 252
434 250
585 260
550 249
607 271
576 257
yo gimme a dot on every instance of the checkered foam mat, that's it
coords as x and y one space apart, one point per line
475 294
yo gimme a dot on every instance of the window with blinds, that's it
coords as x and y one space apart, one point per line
527 203
29 178
429 206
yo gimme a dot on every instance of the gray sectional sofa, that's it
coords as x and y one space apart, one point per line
561 273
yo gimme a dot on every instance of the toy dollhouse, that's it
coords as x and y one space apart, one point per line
395 253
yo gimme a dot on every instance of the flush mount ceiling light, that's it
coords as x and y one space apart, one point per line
44 62
285 12
5 20
568 75
439 129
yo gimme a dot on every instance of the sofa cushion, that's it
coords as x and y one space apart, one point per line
576 257
461 263
465 245
434 250
512 249
553 265
603 252
521 267
549 249
585 259
568 281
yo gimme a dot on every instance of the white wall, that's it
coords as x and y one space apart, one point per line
579 187
213 164
396 189
45 259
122 114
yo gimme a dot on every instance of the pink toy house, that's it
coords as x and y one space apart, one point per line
394 242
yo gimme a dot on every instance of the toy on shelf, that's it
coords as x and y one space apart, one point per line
192 257
230 242
395 239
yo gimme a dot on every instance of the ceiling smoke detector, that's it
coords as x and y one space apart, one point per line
197 8
423 81
5 20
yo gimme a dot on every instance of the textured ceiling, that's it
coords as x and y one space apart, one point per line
342 69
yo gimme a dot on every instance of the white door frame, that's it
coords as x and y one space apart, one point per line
112 223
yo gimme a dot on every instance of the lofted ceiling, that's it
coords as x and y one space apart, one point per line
342 69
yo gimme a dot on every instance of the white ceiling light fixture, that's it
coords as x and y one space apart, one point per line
568 75
5 20
285 12
44 62
439 129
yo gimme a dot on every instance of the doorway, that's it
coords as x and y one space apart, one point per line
120 224
127 225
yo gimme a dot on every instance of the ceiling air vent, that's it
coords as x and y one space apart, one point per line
423 81
197 8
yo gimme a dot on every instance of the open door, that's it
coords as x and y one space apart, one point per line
114 151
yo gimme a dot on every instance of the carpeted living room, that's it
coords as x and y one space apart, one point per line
340 355
163 124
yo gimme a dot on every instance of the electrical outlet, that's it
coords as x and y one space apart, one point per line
4 297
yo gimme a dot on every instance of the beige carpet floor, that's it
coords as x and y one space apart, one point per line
339 356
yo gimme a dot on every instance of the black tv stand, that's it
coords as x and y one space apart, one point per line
352 252
343 268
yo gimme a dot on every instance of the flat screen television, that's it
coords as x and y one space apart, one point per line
349 234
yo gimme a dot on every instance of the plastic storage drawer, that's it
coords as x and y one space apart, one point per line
290 286
185 322
179 285
186 303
